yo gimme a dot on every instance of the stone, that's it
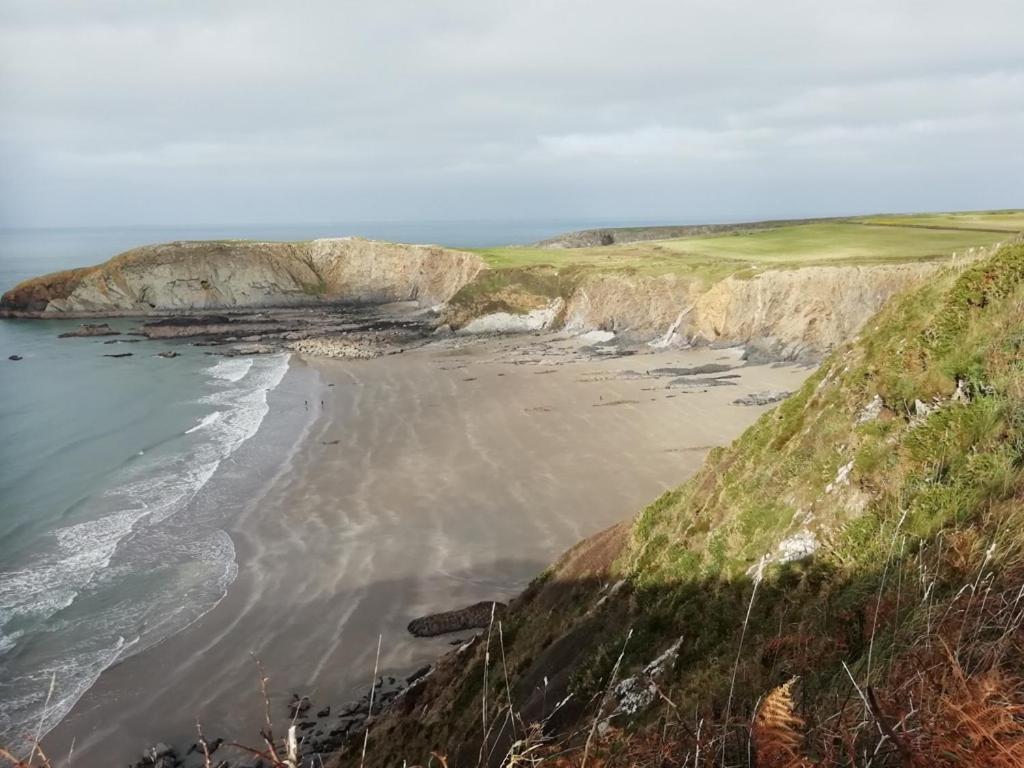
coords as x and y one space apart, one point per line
252 349
170 353
762 398
120 354
90 329
871 411
419 673
471 617
15 357
157 751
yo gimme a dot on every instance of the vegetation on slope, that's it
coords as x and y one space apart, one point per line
897 641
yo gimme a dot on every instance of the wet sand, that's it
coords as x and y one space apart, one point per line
427 481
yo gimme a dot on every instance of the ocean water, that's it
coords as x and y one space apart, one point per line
116 474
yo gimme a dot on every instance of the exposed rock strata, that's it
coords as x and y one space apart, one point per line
778 314
213 275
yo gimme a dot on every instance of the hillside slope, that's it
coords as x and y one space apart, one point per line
853 562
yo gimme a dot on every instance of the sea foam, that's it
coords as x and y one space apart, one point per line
146 492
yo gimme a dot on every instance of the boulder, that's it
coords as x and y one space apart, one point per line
471 617
15 357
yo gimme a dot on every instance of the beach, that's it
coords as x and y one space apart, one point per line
418 482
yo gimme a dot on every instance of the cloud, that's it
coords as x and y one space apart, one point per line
117 111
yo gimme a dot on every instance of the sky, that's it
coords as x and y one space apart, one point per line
170 112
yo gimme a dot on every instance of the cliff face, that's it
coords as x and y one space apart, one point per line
793 314
209 275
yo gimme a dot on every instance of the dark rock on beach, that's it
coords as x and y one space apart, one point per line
90 329
15 357
762 398
120 354
471 617
168 354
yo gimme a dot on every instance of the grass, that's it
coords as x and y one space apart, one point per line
1002 221
864 242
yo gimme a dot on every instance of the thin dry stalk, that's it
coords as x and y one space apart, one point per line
369 711
604 697
202 743
483 697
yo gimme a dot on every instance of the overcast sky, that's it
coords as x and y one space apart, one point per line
217 111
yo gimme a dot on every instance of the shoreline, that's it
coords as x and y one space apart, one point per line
431 480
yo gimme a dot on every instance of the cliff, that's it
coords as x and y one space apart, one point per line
205 275
788 313
780 304
844 580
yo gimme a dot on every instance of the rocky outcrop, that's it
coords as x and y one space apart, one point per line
90 329
796 314
206 275
799 313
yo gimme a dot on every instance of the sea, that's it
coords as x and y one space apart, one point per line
117 473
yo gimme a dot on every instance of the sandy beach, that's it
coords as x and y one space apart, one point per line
424 482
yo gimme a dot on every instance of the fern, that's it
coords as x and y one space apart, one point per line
777 731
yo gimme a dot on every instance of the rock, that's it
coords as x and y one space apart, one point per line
842 478
298 705
471 617
796 547
89 329
338 348
325 712
762 398
184 321
120 354
871 411
213 275
170 353
252 349
421 672
638 692
15 357
157 751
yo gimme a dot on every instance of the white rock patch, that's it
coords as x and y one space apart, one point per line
506 322
842 478
636 693
798 546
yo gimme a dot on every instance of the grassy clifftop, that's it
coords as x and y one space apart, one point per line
523 278
841 586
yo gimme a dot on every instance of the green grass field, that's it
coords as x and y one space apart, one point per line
1002 221
874 240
